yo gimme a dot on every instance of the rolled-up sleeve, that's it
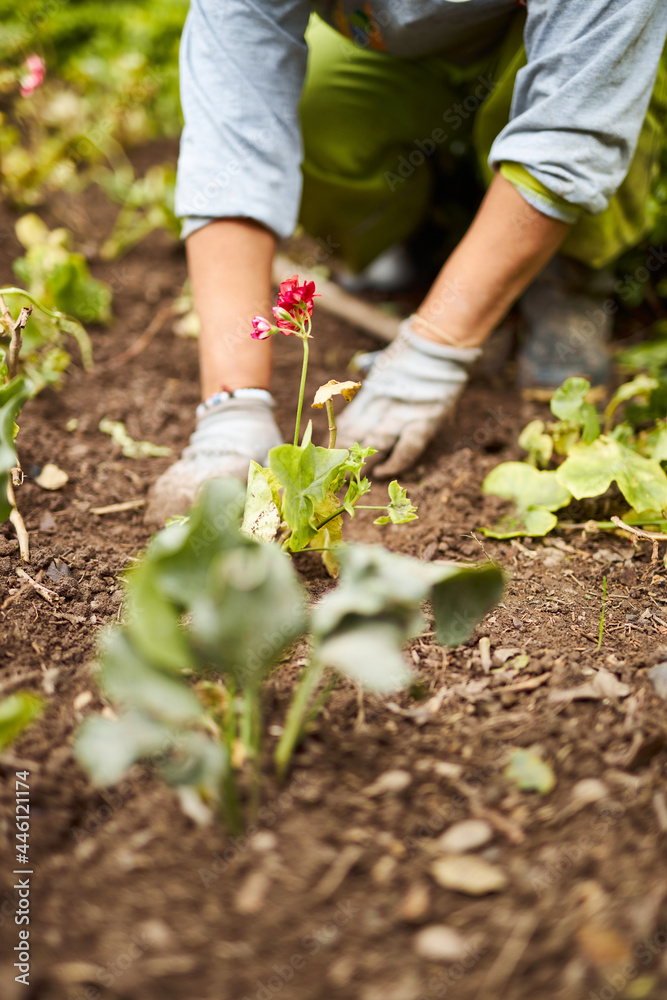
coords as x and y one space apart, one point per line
580 102
242 67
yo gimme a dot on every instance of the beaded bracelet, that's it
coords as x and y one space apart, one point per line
221 397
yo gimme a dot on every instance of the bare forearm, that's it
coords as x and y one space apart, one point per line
507 245
230 271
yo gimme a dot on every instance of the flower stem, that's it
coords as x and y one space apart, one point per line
302 389
332 423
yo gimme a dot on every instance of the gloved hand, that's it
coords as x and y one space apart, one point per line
411 389
229 433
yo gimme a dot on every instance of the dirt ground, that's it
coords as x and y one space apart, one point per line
335 896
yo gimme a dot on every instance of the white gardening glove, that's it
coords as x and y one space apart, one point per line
410 391
232 429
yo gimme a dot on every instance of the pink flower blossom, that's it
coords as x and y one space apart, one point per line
293 296
261 328
36 71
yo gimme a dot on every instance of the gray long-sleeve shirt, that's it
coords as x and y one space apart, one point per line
577 108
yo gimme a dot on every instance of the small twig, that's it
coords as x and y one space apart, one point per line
528 685
48 595
17 341
117 508
19 524
653 536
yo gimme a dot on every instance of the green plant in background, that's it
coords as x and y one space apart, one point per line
16 713
296 499
147 204
58 280
209 604
112 82
590 451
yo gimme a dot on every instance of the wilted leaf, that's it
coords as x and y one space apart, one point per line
261 517
51 477
333 388
589 470
530 773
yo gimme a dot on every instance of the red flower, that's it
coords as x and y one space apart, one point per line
261 328
293 296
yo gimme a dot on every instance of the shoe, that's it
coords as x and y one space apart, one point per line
568 316
231 433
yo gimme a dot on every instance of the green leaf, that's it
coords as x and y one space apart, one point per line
16 712
569 403
533 522
461 596
538 444
306 473
378 601
530 773
564 435
107 749
331 534
369 653
535 494
590 469
641 386
76 293
261 517
400 508
249 612
129 679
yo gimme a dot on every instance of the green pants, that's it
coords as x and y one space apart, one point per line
382 133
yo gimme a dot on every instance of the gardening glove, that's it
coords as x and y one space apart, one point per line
232 429
411 389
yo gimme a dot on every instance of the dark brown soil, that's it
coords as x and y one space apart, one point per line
130 900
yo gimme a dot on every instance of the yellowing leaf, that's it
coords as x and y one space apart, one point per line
333 388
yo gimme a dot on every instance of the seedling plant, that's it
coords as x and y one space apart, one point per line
296 499
216 604
580 454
